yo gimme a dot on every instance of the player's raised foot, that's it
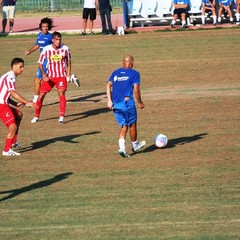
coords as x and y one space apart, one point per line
10 153
61 119
34 120
139 146
123 154
16 145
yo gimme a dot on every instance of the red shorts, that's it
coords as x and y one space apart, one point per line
59 82
8 114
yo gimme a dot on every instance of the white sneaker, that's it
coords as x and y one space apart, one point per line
75 80
16 145
139 146
61 119
123 154
34 120
10 153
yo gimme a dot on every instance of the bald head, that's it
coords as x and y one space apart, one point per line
128 61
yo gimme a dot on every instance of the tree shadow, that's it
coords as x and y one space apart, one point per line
177 141
44 143
87 98
29 29
15 192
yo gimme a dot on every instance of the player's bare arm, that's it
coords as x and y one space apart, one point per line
109 95
138 97
32 49
21 99
45 77
69 68
180 6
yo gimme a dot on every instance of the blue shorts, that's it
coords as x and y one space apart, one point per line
125 117
39 74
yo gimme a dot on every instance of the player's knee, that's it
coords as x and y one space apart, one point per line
12 128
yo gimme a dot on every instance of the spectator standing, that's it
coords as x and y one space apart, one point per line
57 74
44 38
225 5
90 8
8 12
120 88
180 11
105 14
208 6
10 113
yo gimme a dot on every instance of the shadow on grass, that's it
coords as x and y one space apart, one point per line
15 192
44 143
83 99
86 114
88 98
81 115
177 141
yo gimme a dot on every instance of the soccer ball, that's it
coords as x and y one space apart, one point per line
160 140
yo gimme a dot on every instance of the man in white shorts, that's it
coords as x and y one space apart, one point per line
8 11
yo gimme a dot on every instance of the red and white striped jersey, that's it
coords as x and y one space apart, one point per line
7 83
56 60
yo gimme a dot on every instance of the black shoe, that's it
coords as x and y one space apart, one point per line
83 34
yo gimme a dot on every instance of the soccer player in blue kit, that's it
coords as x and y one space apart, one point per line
208 6
44 38
120 88
225 5
180 10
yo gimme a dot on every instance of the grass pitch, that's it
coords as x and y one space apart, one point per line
70 183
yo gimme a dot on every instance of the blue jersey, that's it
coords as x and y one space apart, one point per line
123 80
43 40
225 2
207 4
181 1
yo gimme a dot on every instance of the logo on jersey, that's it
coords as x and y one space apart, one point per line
120 79
7 114
56 57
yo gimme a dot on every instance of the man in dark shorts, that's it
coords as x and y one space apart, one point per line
180 10
89 11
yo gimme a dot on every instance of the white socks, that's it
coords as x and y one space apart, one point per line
121 143
35 97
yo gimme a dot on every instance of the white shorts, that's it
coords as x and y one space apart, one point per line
8 12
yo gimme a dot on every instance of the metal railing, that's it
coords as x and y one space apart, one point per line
56 5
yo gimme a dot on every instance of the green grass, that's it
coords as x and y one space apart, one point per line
70 183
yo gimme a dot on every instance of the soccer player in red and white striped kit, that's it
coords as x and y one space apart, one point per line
10 113
57 74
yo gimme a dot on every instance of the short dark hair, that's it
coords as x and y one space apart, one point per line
16 60
58 34
47 20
